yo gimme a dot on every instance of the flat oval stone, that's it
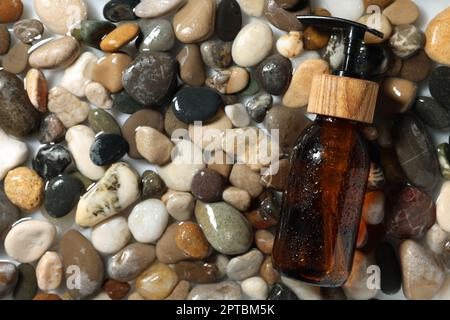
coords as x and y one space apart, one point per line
107 197
180 205
284 19
225 290
10 10
91 32
391 276
8 276
228 20
122 102
130 262
141 118
192 70
109 70
156 8
416 153
156 35
196 104
9 213
5 39
28 30
148 220
62 194
18 117
194 22
78 252
274 74
190 239
120 10
216 53
28 240
252 44
225 228
410 212
108 148
102 121
437 35
26 286
439 84
208 185
151 78
167 250
109 236
51 160
432 113
56 53
61 16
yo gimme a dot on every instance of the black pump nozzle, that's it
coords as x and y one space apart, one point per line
353 38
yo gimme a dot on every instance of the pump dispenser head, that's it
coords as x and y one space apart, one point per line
345 94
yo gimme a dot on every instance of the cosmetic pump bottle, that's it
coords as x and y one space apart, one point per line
322 203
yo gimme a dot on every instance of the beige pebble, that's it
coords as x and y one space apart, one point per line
208 136
108 71
238 198
69 109
98 95
156 8
220 162
154 146
402 12
290 45
61 16
57 53
157 282
49 271
180 205
79 74
135 296
378 22
253 8
297 95
36 87
264 241
16 60
181 291
438 38
244 178
268 272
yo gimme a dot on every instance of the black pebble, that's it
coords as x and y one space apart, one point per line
274 74
281 292
62 194
228 20
120 10
391 277
432 113
122 102
440 85
196 104
108 148
51 160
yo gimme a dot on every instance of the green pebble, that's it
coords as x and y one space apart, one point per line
252 88
101 121
152 185
91 32
26 287
125 104
443 155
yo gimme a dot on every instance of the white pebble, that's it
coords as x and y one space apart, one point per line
346 9
16 150
436 238
253 8
78 75
303 290
49 271
148 220
111 235
255 288
443 207
290 45
238 115
98 95
180 205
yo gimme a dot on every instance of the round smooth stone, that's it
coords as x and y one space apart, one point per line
91 32
156 35
28 30
396 95
10 10
54 54
51 130
16 150
8 277
402 12
190 239
216 54
274 74
406 40
78 251
194 22
152 185
148 220
225 290
252 44
141 118
9 213
228 20
130 262
245 266
120 10
108 148
391 277
102 121
255 288
111 235
347 9
49 271
432 113
151 78
27 241
51 160
122 102
62 194
437 34
60 16
192 70
167 250
192 104
109 69
208 185
24 187
410 212
26 286
439 84
157 282
37 89
18 117
180 205
5 39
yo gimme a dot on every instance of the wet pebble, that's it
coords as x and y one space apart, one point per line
116 290
16 61
243 177
437 35
51 130
120 10
194 22
228 81
391 277
108 148
267 271
267 211
216 53
152 185
36 87
281 292
51 160
91 32
284 19
181 291
153 9
109 69
157 35
157 282
148 220
197 272
258 106
102 121
187 108
123 103
119 37
439 83
180 205
24 187
290 45
406 40
402 12
253 8
26 286
432 113
192 70
255 288
274 74
238 115
97 94
228 20
11 10
62 194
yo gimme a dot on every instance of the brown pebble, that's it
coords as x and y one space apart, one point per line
267 271
380 3
108 71
396 96
220 162
10 10
172 123
24 187
395 67
208 185
316 38
5 39
51 129
197 272
278 181
46 296
167 250
157 282
181 291
190 239
192 69
116 290
264 241
16 60
36 87
416 68
402 12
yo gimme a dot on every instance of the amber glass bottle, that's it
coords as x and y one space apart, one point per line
321 207
322 204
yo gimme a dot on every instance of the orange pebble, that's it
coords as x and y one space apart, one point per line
10 10
191 240
362 235
119 37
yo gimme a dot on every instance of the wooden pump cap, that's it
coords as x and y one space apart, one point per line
343 97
